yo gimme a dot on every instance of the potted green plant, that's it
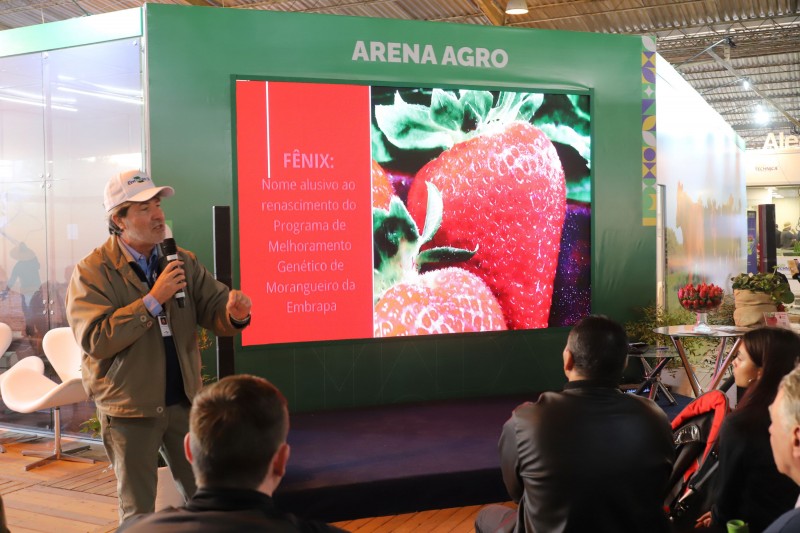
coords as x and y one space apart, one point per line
756 294
700 351
795 249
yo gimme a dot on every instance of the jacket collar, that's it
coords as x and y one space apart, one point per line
209 499
591 384
119 259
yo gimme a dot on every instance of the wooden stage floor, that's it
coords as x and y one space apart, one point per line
72 497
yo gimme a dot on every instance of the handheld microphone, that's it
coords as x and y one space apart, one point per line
170 251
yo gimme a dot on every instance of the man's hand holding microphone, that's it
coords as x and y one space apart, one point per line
172 282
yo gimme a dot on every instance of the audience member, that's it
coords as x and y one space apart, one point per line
3 523
589 458
784 432
238 451
747 485
787 236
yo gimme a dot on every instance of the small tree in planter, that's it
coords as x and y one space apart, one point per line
756 294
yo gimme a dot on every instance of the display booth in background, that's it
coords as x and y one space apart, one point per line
700 164
194 60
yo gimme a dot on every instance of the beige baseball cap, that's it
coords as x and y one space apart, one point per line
132 186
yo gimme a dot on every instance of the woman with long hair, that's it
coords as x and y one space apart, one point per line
748 485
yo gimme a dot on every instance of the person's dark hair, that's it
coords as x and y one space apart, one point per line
236 426
121 211
775 351
599 347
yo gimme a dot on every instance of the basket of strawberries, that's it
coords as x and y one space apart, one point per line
701 299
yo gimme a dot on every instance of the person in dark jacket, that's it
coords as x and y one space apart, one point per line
748 485
788 237
784 437
238 451
589 458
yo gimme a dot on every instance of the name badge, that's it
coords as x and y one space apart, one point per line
164 325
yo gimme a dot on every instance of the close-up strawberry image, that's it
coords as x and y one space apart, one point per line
503 189
382 190
407 302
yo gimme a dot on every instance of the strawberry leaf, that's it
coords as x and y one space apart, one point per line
434 212
390 229
410 126
528 106
580 191
567 135
477 104
575 99
397 242
444 254
450 119
446 110
565 110
515 106
378 141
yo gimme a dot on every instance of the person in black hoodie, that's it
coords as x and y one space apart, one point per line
238 451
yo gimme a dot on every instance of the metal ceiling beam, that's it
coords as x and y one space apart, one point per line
268 3
594 14
709 85
771 47
733 100
764 65
495 15
28 6
265 3
743 39
708 31
205 3
753 88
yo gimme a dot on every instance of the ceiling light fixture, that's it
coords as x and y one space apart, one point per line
516 7
107 96
37 103
760 115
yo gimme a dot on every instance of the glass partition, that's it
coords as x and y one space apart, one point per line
71 118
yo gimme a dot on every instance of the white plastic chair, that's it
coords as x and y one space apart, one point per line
33 363
6 336
25 389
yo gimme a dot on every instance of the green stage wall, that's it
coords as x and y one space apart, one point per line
195 53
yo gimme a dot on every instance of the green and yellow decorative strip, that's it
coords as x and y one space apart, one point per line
648 131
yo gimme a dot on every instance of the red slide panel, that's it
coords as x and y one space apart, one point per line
305 214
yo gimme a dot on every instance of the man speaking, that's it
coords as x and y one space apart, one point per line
141 364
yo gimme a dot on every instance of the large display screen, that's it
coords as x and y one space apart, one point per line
374 211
